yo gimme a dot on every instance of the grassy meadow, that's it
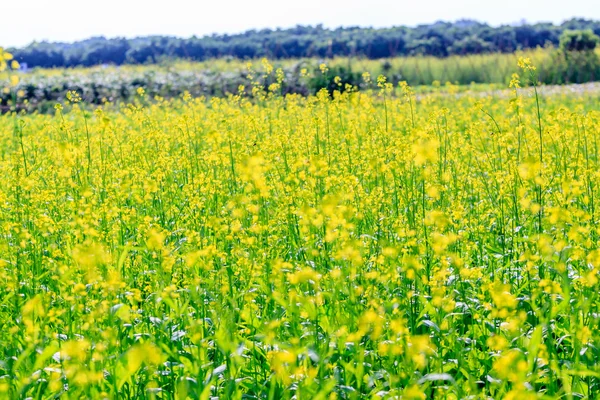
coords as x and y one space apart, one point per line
369 244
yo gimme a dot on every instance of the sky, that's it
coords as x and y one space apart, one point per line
24 21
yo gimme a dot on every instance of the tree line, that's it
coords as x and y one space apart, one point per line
440 39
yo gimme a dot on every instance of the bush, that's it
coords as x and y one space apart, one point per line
575 61
582 40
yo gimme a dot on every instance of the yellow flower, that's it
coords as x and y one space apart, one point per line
73 96
156 239
525 64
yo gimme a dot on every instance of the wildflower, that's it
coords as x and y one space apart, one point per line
73 96
156 239
525 64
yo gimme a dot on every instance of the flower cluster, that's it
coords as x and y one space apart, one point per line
375 244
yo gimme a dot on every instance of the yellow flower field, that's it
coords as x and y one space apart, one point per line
372 244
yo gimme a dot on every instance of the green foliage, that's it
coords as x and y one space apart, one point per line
441 39
41 89
336 78
365 246
576 60
575 67
582 40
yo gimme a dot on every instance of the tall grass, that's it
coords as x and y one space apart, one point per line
41 88
483 68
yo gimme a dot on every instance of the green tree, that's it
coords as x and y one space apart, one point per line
575 60
578 40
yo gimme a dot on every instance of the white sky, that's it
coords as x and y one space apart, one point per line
68 20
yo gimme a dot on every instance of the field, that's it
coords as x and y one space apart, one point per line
40 89
369 244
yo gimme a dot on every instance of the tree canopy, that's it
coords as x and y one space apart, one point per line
440 39
578 40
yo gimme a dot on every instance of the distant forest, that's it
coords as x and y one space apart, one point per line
440 39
